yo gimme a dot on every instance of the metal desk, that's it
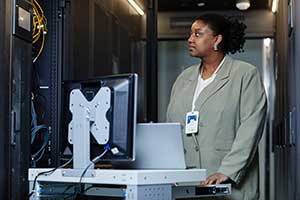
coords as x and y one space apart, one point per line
124 184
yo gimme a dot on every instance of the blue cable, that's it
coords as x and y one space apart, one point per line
35 130
107 147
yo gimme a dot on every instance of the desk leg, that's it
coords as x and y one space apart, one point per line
149 192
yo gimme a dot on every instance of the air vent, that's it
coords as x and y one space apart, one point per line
181 22
186 22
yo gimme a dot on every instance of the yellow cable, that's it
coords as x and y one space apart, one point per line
41 48
39 6
39 27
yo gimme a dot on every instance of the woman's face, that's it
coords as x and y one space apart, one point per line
201 40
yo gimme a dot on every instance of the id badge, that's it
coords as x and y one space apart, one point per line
191 122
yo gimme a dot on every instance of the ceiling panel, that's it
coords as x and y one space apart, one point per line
193 5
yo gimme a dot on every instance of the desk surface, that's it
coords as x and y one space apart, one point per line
120 177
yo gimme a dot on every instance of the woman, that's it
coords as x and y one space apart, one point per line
222 104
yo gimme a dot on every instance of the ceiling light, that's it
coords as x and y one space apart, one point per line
136 7
242 4
267 42
275 6
200 4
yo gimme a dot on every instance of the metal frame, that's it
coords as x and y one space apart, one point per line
152 102
297 64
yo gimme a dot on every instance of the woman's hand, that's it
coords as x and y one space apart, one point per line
216 178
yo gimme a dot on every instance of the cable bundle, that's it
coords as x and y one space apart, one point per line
39 29
37 129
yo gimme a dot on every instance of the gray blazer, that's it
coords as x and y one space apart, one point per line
232 112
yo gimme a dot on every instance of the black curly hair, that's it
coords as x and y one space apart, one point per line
232 30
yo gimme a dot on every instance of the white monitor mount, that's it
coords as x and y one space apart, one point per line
88 117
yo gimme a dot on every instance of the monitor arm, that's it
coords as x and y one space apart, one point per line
88 117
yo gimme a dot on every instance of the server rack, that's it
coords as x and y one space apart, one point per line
15 60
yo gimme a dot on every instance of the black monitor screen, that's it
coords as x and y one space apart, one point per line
121 115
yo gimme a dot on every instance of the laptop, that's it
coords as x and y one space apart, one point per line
159 146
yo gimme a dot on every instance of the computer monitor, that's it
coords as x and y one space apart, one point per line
121 114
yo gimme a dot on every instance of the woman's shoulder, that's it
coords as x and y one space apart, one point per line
189 72
186 75
243 67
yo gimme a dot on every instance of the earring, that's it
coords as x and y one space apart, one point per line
215 47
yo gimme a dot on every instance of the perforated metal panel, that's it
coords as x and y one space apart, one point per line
149 192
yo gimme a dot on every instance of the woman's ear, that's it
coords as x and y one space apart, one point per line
219 39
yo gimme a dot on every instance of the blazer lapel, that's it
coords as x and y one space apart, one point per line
190 87
221 79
